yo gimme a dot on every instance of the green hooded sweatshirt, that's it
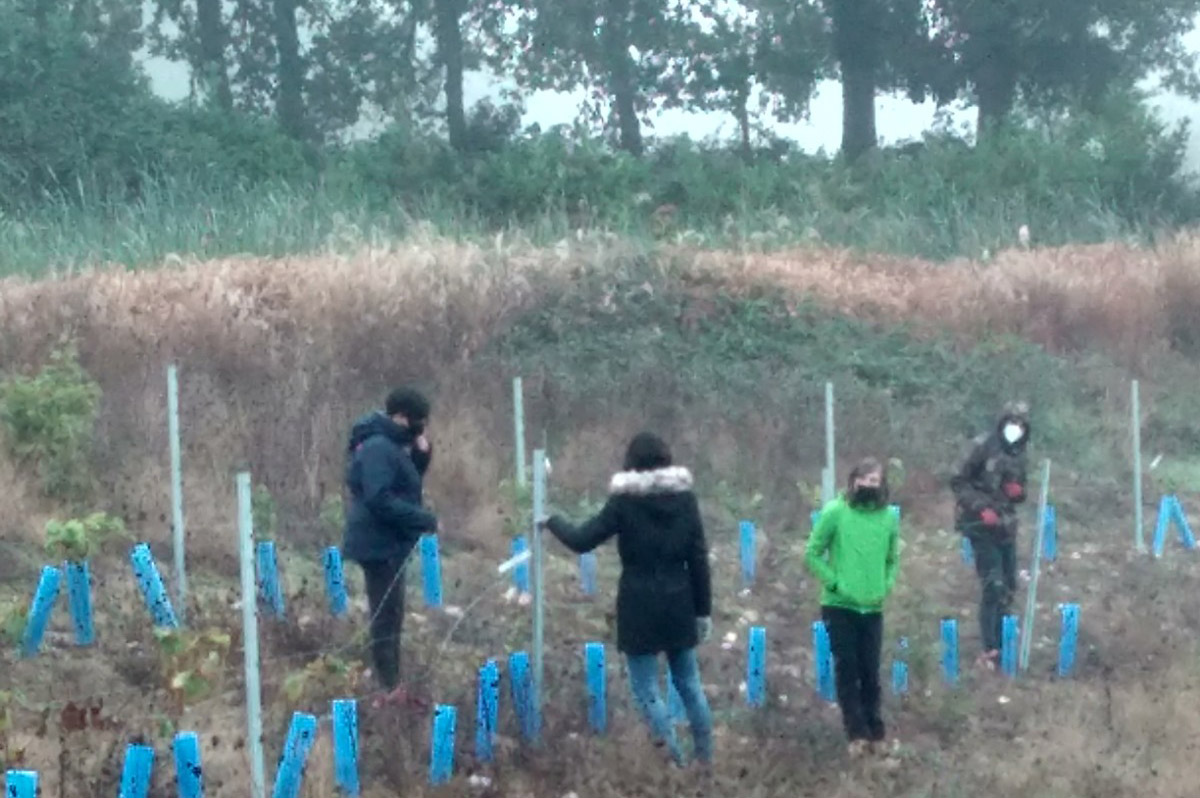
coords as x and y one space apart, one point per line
863 548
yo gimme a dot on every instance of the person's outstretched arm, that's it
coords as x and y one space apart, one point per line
591 534
698 567
818 545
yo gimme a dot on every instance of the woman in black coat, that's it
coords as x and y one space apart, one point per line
664 600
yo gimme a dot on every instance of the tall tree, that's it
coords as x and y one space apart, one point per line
725 65
881 45
626 52
201 43
858 31
371 50
75 105
291 69
451 53
362 52
869 45
793 53
1070 51
210 28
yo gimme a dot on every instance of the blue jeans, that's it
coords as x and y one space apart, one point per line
685 673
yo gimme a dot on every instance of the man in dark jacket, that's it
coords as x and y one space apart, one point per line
988 488
387 457
664 598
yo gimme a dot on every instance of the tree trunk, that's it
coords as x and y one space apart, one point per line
742 111
450 53
627 119
859 134
995 92
289 99
212 53
992 64
621 77
857 36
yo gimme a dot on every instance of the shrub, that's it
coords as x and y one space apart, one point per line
333 516
324 678
264 513
516 507
49 420
13 617
192 662
77 539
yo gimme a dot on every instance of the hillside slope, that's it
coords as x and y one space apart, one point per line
725 353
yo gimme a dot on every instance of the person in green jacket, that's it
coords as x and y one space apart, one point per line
854 552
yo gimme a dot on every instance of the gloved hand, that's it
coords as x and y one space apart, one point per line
704 629
989 517
1013 490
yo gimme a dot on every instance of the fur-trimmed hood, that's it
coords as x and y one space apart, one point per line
673 479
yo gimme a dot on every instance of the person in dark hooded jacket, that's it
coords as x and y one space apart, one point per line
664 598
387 457
987 489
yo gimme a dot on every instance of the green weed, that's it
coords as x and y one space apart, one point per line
264 512
77 539
939 199
192 662
333 516
49 420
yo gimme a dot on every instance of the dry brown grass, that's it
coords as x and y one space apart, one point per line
277 356
1127 301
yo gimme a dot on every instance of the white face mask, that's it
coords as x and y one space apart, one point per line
1013 433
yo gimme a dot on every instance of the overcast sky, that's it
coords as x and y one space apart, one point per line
898 118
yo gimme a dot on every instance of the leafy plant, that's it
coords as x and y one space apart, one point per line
14 614
737 505
6 702
333 515
1176 475
517 507
810 492
49 420
192 662
77 539
326 676
586 506
264 512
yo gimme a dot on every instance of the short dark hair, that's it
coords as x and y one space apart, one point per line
647 452
407 402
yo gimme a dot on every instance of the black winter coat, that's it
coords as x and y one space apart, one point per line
980 482
384 471
665 580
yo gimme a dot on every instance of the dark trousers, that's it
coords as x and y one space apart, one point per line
855 639
996 564
385 595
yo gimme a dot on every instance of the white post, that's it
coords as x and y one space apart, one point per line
177 493
250 637
1139 539
1031 596
829 477
539 593
519 428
